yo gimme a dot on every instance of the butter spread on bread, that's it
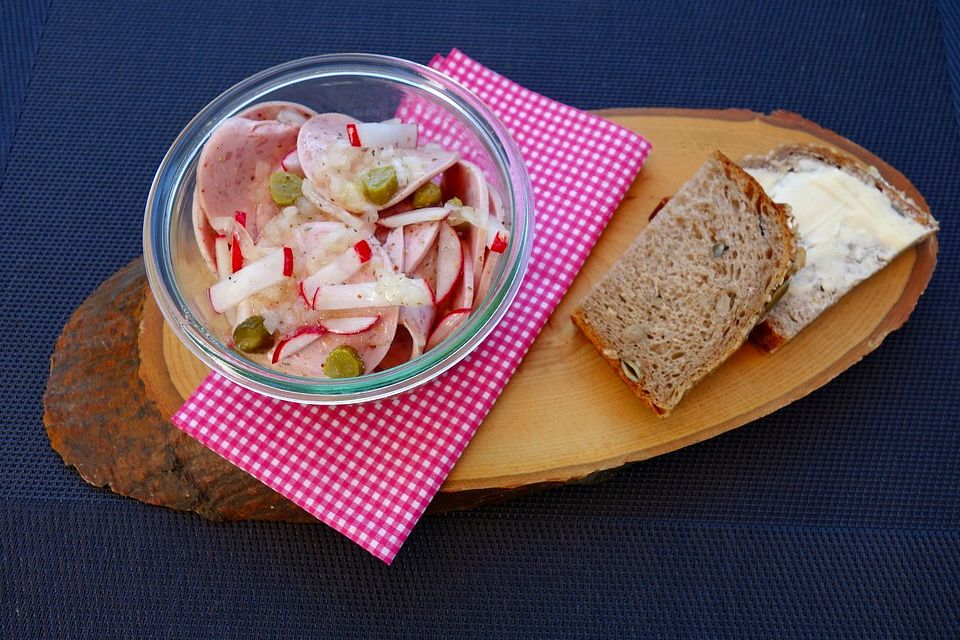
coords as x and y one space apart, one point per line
851 223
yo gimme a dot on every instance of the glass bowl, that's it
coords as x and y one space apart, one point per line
370 88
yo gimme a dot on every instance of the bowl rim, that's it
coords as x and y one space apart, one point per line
175 167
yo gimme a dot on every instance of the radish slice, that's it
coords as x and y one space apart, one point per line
291 163
236 255
417 240
335 272
394 248
222 252
478 247
463 298
349 326
426 214
300 340
447 326
449 261
497 235
466 181
487 276
256 276
389 291
382 134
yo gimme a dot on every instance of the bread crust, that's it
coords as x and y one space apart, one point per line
770 334
614 363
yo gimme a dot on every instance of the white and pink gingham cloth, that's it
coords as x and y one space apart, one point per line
369 471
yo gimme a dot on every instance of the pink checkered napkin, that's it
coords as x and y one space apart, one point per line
369 471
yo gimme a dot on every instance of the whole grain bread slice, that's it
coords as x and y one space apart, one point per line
686 293
823 281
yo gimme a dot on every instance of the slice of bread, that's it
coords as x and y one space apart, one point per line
850 221
691 286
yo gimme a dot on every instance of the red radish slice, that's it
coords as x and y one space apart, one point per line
463 298
417 240
362 249
478 248
449 261
299 340
241 218
466 180
394 248
382 134
497 235
447 326
487 276
426 214
353 135
256 276
336 271
349 326
236 254
291 163
387 292
287 262
224 259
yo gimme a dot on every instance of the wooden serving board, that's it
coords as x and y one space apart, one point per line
563 417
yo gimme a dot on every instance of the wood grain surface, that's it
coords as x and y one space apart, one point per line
563 417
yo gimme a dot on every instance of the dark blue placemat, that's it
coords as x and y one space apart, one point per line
838 515
21 24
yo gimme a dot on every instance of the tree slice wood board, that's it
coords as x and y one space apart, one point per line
564 417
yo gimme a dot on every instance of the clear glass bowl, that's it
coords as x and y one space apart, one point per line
370 88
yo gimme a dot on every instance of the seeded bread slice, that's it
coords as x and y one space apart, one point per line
691 286
855 253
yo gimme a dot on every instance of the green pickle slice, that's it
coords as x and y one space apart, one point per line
285 188
380 184
343 362
427 195
251 336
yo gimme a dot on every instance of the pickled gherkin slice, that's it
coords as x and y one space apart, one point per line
380 184
251 336
285 188
343 362
427 195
